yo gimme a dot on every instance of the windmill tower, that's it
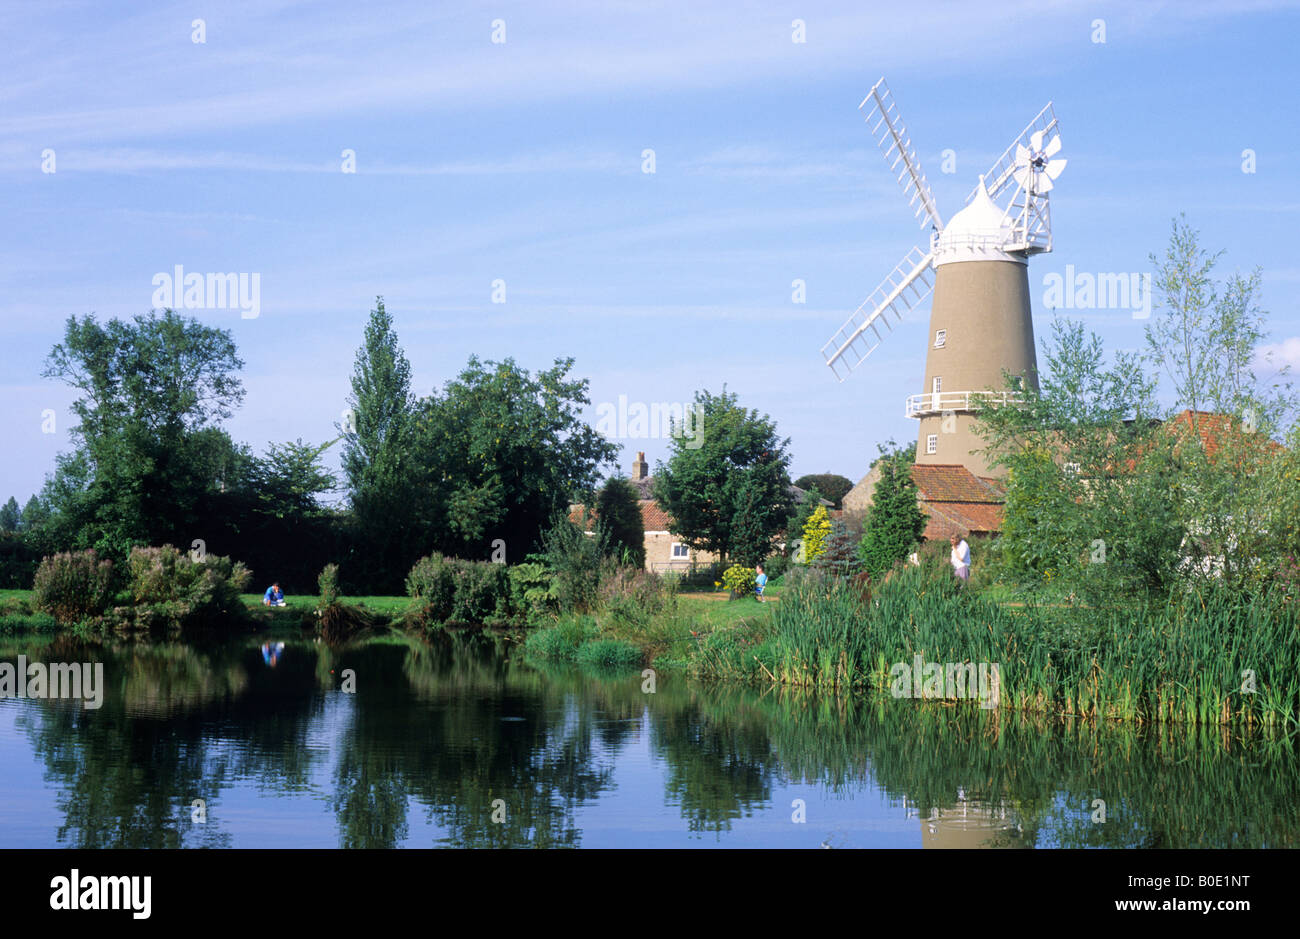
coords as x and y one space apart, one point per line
977 267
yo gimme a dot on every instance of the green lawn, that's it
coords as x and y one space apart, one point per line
712 609
303 603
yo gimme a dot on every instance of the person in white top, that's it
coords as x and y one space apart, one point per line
960 558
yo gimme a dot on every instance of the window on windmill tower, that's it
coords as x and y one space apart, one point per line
940 337
932 443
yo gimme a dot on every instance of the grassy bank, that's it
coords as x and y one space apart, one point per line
1198 659
668 635
388 607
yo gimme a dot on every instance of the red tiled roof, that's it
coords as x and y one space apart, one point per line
952 482
653 518
575 515
1212 428
947 518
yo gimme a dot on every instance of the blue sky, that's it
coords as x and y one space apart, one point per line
522 161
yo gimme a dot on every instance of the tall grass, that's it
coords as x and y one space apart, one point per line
1189 660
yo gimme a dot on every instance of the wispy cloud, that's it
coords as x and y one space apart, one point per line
129 160
140 77
1279 354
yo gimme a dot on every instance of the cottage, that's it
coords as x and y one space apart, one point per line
953 499
665 551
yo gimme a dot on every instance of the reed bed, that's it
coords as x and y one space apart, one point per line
1193 659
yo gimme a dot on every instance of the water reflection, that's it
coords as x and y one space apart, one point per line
458 742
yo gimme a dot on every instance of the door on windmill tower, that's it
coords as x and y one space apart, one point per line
935 391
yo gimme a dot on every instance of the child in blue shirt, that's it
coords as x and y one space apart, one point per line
759 583
273 596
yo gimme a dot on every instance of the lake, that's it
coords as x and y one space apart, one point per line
461 742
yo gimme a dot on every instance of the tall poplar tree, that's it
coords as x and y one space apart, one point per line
378 464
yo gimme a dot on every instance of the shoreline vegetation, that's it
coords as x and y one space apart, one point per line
1201 658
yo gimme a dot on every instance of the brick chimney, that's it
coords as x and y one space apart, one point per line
639 468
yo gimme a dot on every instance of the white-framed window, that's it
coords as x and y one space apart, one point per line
681 552
940 337
938 384
1071 469
932 443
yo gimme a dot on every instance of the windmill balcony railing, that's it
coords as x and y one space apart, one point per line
1013 239
936 402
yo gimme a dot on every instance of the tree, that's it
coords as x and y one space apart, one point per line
1210 333
753 525
1092 490
815 531
34 515
147 448
502 452
894 522
288 481
799 516
10 516
379 462
839 555
618 512
727 485
831 486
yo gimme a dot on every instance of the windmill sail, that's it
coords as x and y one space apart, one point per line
910 282
1007 180
892 138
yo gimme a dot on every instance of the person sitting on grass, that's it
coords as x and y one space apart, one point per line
273 596
759 583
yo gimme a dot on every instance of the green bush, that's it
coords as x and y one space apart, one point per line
184 590
575 559
609 653
740 581
561 641
533 590
328 581
482 593
73 586
27 623
633 596
338 622
432 581
451 590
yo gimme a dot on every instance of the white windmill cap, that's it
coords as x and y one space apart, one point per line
978 232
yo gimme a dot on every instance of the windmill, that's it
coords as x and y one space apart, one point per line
977 267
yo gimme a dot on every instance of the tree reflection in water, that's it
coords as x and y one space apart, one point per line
495 752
